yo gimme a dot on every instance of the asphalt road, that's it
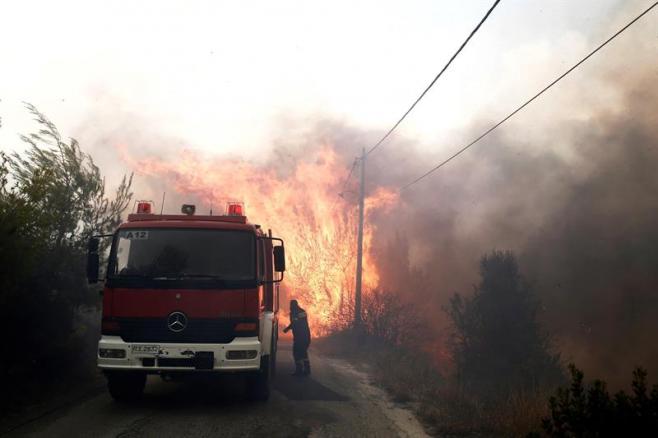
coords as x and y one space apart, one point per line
337 401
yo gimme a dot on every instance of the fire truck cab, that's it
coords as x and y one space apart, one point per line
188 294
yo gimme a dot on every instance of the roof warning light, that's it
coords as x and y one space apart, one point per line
144 207
235 209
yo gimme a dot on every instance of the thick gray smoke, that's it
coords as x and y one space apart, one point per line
584 229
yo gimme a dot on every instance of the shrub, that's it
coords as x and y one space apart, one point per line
590 411
497 342
389 319
386 319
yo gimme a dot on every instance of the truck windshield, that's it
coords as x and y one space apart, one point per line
170 254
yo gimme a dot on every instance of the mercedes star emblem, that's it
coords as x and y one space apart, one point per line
177 321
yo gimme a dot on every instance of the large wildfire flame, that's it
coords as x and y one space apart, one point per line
301 205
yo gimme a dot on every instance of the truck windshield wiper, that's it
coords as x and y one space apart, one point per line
204 276
129 276
171 277
184 276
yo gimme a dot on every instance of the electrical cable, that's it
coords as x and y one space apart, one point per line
349 175
513 113
390 131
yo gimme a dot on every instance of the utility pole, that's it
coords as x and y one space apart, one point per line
359 247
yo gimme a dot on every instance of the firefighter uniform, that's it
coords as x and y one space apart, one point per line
301 335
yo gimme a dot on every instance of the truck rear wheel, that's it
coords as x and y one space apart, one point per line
258 384
126 386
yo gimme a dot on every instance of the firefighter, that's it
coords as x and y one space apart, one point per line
301 336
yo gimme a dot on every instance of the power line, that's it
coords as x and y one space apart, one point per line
390 131
349 175
513 113
344 184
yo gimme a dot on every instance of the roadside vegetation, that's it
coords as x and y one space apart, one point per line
506 376
52 199
580 410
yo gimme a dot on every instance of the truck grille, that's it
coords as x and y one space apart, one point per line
201 331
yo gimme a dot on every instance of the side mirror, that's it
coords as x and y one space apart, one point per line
279 259
93 260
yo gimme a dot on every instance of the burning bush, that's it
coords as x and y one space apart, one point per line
386 319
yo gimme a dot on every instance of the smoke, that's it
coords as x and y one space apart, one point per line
595 257
579 209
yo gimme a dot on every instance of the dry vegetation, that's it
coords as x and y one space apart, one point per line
446 409
503 372
506 380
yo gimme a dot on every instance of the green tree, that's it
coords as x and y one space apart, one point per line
19 233
66 186
52 198
497 341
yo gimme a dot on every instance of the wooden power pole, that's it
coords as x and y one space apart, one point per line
359 248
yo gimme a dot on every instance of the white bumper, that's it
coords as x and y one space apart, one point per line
160 360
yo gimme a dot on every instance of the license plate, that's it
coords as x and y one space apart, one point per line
149 349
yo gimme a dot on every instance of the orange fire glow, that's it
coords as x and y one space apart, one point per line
300 203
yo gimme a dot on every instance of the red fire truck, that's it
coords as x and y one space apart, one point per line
188 294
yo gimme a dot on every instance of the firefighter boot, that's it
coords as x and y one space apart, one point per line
307 367
299 368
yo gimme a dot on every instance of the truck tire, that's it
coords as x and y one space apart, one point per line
258 384
126 386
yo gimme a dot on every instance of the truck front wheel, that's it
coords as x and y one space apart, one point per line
258 384
126 386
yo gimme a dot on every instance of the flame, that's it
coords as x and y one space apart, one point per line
300 203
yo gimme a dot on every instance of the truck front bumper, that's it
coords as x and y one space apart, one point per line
242 354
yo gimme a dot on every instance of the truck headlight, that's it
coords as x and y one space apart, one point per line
112 353
241 354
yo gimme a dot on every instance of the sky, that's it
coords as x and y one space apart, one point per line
222 77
